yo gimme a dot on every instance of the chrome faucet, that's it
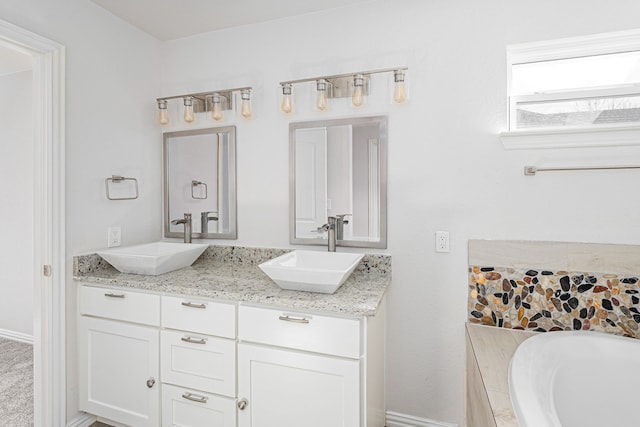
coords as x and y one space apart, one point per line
330 227
187 226
204 220
340 222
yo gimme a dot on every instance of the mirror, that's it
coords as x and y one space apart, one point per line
200 178
339 167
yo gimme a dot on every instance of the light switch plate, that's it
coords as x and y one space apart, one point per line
114 237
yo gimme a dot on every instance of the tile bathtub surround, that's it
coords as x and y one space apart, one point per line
543 300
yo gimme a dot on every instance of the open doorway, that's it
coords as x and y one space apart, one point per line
16 226
42 194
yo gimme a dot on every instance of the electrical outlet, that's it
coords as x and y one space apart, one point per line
114 237
442 241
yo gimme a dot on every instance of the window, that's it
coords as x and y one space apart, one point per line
575 85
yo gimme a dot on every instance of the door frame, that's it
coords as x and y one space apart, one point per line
49 220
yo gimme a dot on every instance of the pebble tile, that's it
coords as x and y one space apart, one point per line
547 300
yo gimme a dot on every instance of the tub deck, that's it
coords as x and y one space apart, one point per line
489 351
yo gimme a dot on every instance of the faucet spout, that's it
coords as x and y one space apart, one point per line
330 227
187 226
205 217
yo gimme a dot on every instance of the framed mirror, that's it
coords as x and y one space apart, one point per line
200 178
339 168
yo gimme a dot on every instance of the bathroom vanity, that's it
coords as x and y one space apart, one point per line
219 344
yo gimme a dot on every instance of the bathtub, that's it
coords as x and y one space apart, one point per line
576 379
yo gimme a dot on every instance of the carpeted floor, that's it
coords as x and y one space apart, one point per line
16 383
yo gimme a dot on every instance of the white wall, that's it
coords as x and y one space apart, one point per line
16 194
112 81
447 167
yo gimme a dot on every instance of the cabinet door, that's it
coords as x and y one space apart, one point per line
188 408
287 388
119 366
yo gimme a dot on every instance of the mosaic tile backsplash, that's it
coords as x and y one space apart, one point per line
543 300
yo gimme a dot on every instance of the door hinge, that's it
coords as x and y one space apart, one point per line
46 270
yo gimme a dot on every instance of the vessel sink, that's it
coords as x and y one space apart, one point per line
153 258
311 271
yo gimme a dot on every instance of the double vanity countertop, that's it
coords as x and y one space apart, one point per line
231 273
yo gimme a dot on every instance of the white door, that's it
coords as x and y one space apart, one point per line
311 181
119 366
286 388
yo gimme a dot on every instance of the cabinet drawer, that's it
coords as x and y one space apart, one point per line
201 316
129 306
198 361
189 408
299 330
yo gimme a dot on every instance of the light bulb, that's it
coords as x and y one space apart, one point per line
216 108
399 95
358 82
286 106
321 101
245 110
163 115
188 110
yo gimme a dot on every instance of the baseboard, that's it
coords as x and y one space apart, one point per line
395 419
16 336
82 420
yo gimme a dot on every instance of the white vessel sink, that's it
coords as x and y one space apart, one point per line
153 258
311 271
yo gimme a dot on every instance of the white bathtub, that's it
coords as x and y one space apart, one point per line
576 379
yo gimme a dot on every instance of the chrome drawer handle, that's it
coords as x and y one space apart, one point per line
193 305
114 295
194 340
195 397
294 319
151 382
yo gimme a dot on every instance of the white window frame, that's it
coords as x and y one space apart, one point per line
569 137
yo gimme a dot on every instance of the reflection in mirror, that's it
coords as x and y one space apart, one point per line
200 178
339 168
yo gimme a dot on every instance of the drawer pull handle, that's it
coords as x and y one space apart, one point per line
195 397
193 305
294 319
242 404
194 340
151 382
114 295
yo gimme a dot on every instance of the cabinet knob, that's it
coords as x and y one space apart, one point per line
242 404
151 382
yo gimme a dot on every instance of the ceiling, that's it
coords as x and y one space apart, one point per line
172 19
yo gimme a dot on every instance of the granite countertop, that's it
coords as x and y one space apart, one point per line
232 274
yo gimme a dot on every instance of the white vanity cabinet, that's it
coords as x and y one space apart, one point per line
297 368
147 360
118 355
198 363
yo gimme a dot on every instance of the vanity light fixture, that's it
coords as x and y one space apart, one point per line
245 109
321 88
216 109
188 115
357 98
163 115
353 85
286 106
215 102
399 95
